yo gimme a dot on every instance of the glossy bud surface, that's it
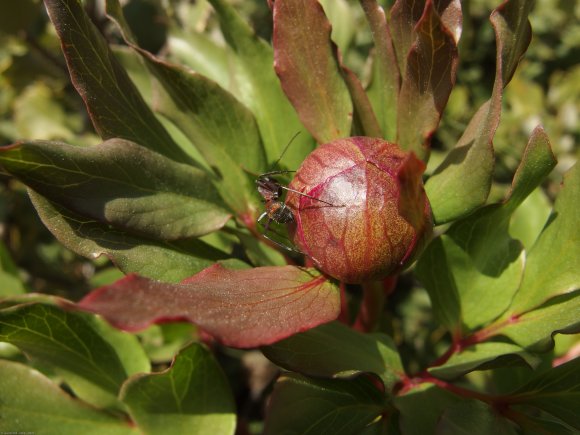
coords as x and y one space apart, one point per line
368 215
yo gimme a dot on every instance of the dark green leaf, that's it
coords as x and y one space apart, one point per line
556 391
300 405
462 182
114 103
552 264
94 358
166 261
483 356
306 60
473 416
261 90
427 81
334 350
122 184
192 396
31 403
422 407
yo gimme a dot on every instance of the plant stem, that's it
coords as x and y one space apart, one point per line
374 297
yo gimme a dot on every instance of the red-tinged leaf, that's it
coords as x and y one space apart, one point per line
384 88
364 116
241 308
427 82
306 61
403 18
467 170
116 107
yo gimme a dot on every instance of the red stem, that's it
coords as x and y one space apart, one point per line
374 297
344 315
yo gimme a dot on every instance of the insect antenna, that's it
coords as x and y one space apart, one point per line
283 152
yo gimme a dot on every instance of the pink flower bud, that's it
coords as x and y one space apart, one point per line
367 214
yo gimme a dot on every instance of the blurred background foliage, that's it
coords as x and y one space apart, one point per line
38 101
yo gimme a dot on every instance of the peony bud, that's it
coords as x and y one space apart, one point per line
367 214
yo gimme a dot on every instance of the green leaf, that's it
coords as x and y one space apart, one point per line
122 184
483 264
192 396
222 129
473 416
300 405
552 264
38 114
422 407
384 87
529 219
10 281
166 261
463 181
31 403
334 349
427 81
306 61
116 107
483 356
203 55
534 329
91 356
344 27
261 90
556 391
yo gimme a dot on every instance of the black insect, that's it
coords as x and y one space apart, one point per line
276 210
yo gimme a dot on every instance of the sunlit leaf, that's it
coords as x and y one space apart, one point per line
192 396
167 261
483 264
94 358
334 350
552 264
261 91
384 88
306 61
116 107
426 82
31 403
462 182
122 184
483 356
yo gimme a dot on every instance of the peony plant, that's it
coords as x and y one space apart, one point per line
357 218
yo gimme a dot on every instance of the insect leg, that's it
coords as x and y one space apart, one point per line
308 196
265 234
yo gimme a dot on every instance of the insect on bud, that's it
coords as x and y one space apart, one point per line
366 215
